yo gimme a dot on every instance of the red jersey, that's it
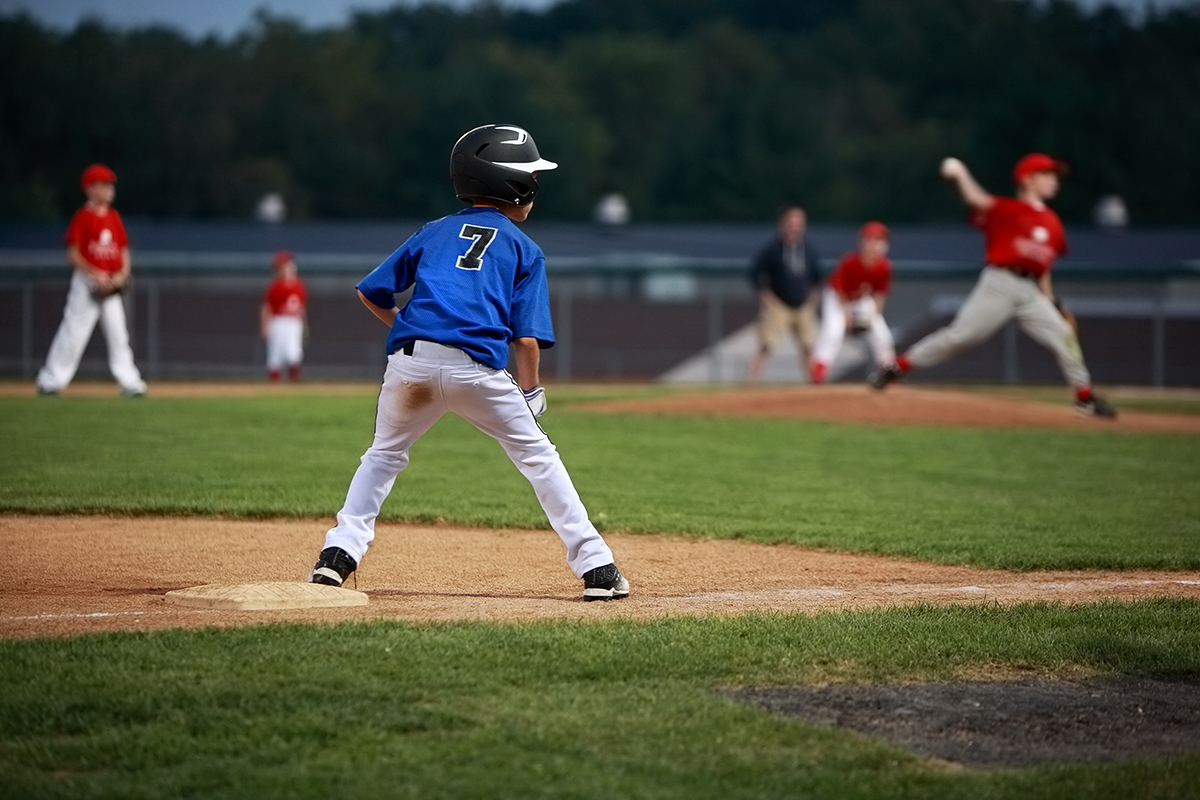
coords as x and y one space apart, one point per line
99 237
853 279
1020 236
286 298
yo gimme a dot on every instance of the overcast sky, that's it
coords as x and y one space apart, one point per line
227 17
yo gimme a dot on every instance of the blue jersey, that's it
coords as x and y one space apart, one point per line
479 283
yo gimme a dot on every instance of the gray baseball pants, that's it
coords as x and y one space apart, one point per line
1000 295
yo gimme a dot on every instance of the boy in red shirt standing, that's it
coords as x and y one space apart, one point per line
1024 237
98 252
283 318
853 300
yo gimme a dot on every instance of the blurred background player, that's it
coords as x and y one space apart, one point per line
787 275
98 252
1024 237
852 301
284 318
479 286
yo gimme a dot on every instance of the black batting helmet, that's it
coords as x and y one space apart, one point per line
497 162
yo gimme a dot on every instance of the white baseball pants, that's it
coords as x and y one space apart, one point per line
285 341
1000 295
417 391
833 329
80 315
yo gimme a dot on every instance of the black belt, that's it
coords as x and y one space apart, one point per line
406 348
1020 273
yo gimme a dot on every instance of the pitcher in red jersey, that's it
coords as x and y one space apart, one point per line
1024 237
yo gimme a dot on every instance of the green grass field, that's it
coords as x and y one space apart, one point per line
1018 499
575 710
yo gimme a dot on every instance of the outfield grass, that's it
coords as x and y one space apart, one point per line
1021 499
573 710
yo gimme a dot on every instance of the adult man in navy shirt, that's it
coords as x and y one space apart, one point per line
787 275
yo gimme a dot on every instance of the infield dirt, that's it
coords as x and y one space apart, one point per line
80 574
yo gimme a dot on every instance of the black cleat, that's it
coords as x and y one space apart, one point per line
1095 407
880 378
333 566
604 583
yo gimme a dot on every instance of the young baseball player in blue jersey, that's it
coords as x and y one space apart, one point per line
478 284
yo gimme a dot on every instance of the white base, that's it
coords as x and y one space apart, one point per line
265 596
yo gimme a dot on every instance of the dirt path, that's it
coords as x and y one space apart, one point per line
899 405
82 574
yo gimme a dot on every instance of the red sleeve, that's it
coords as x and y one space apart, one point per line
1001 206
837 281
1061 243
76 231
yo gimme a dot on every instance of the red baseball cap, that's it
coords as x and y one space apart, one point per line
874 230
97 173
1037 162
281 258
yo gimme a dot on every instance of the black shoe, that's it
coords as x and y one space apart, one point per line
1095 407
604 583
334 565
880 378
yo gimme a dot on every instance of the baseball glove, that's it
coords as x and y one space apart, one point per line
859 323
119 283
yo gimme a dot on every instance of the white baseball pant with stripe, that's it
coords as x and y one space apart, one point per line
1000 295
80 315
417 391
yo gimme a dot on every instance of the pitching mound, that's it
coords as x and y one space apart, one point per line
82 574
899 405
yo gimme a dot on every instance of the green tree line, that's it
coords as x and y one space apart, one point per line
694 109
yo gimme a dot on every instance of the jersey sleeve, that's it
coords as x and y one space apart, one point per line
837 279
1060 243
395 274
76 235
979 217
530 316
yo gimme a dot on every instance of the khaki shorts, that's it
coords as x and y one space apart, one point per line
776 318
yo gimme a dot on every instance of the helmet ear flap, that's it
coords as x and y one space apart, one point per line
523 190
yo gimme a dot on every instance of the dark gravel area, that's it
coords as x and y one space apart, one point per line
1008 724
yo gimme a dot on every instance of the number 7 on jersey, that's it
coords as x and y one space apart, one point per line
482 237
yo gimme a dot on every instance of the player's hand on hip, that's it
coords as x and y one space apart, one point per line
536 398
